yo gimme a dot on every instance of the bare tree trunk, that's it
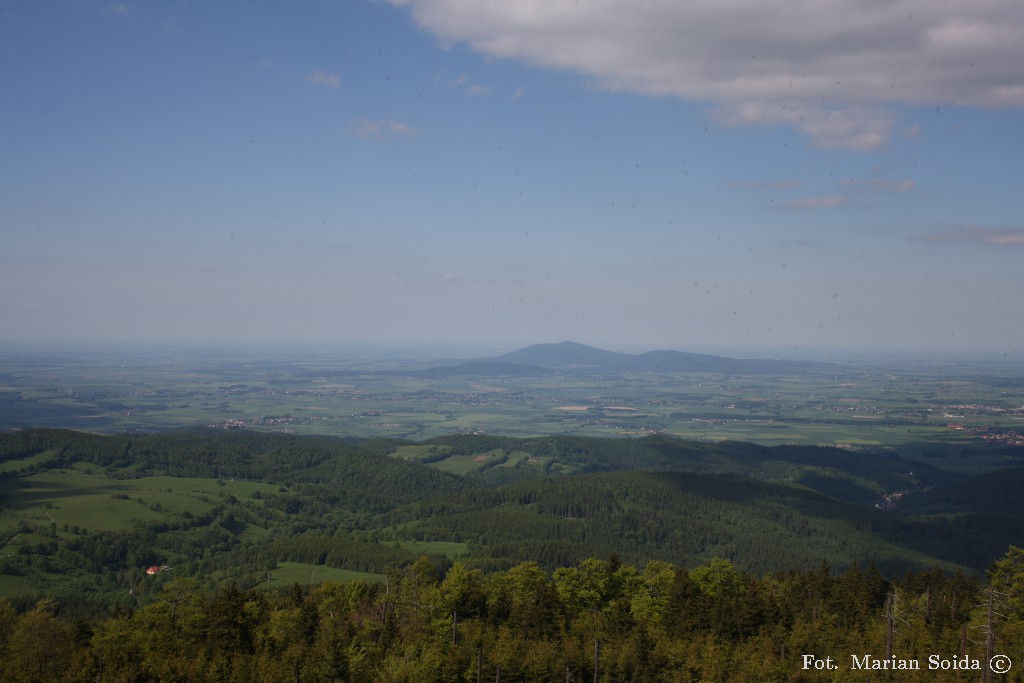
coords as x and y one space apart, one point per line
990 640
889 625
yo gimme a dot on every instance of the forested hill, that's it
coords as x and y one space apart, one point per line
854 477
570 356
680 517
358 475
83 516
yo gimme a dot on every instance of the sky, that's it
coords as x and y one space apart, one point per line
645 174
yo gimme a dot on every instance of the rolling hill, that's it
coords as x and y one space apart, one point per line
87 513
572 356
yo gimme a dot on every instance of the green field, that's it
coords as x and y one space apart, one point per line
16 464
87 499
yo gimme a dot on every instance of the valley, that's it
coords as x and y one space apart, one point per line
931 407
228 467
357 494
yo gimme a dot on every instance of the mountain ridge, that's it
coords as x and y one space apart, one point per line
570 355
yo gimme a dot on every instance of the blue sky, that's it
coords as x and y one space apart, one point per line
697 176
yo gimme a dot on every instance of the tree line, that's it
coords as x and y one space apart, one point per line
599 619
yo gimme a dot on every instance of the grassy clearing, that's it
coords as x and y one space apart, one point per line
514 458
420 452
252 532
289 573
436 457
22 463
458 464
89 499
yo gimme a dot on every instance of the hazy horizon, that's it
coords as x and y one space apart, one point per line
705 178
409 351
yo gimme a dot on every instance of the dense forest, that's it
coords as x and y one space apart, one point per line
178 556
597 620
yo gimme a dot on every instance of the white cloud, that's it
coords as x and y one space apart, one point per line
364 128
324 78
911 132
829 69
381 128
765 184
993 237
465 84
855 128
898 186
879 185
826 202
399 129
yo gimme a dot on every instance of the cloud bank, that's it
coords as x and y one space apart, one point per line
832 70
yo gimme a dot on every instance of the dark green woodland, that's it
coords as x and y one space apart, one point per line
235 555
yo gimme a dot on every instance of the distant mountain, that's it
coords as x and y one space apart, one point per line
570 356
566 355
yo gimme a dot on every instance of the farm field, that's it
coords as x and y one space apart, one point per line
927 405
289 573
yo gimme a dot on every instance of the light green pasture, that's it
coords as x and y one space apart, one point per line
100 503
22 463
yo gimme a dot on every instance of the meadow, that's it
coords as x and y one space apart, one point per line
84 499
